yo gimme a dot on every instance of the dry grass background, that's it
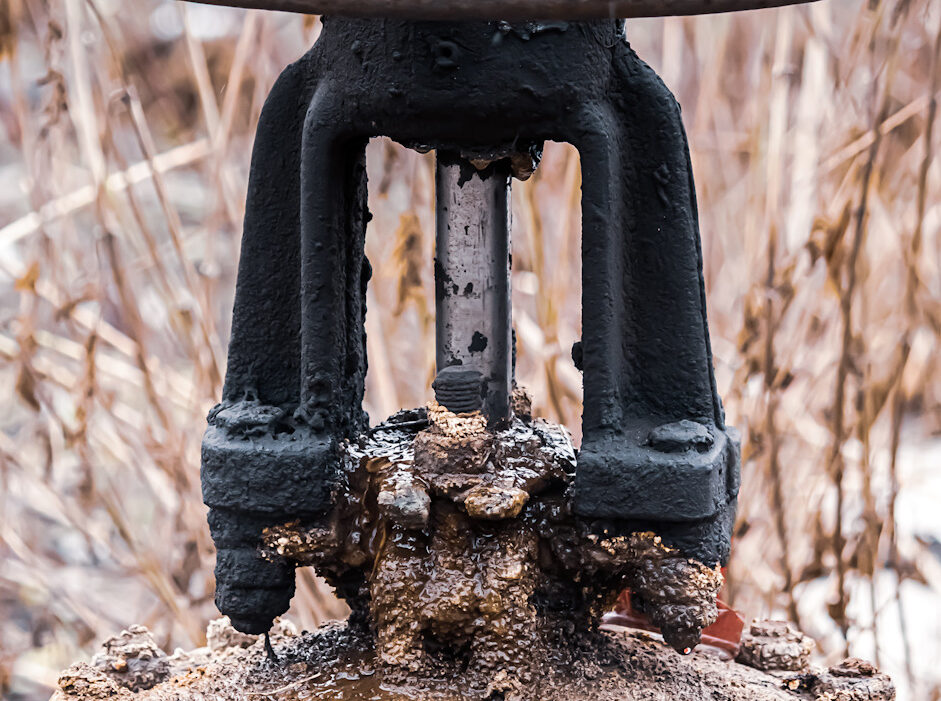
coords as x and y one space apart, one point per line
125 135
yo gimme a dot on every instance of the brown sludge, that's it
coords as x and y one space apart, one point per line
457 543
336 663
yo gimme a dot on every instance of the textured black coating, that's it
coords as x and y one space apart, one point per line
297 358
459 389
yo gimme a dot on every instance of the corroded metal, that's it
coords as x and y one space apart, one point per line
656 454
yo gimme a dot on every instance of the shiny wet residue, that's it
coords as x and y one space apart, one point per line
458 544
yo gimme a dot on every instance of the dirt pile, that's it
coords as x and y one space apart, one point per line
336 662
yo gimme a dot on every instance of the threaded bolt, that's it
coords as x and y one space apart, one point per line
459 389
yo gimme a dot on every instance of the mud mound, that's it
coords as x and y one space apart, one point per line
338 662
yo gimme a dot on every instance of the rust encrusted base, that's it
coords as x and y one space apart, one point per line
458 547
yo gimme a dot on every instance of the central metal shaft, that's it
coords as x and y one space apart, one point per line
472 276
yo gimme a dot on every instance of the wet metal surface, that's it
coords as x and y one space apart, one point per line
472 275
458 545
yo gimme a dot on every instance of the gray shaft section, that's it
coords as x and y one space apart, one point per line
472 276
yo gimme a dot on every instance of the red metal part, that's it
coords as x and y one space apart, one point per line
724 635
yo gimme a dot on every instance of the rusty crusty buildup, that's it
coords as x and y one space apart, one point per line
466 551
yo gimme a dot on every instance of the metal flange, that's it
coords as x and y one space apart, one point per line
455 10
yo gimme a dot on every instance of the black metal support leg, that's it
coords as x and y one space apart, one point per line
655 446
294 383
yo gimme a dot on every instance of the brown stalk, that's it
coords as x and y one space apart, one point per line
218 125
912 285
545 312
778 120
135 325
174 226
847 292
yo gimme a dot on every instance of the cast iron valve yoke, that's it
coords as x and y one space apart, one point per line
656 453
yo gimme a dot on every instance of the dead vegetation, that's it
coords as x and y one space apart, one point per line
124 146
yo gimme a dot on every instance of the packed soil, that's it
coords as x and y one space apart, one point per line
338 661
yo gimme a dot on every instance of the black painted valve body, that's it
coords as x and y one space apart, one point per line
656 453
